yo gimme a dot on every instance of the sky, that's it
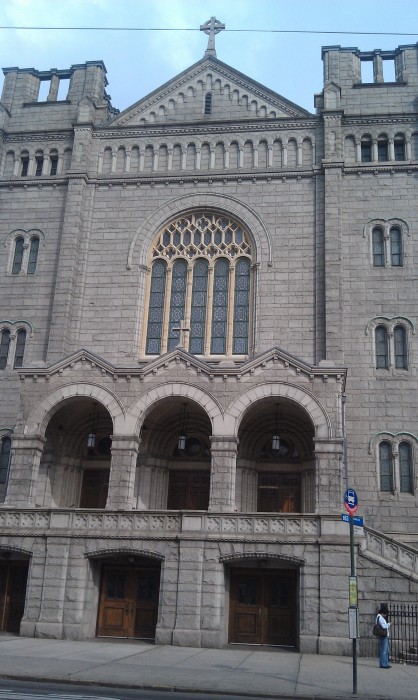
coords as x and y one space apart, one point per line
138 62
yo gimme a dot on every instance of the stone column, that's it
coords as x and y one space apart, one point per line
222 474
122 472
187 629
50 623
329 475
24 470
53 89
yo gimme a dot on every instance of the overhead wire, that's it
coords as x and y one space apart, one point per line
196 29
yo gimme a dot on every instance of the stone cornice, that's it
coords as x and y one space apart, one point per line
379 119
196 128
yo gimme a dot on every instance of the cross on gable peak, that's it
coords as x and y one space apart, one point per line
212 26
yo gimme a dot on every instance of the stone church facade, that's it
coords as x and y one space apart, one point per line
207 332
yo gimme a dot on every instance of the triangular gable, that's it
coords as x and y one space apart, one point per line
275 357
234 96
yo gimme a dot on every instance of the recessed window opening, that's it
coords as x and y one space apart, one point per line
382 149
64 86
382 348
405 468
39 165
33 255
386 467
208 103
395 247
24 166
20 348
5 447
366 149
401 354
389 75
399 147
367 71
18 256
378 248
44 87
4 347
53 165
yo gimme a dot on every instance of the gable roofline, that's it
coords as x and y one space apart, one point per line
274 355
286 105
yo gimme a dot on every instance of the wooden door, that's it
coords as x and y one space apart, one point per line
188 490
94 488
263 608
128 604
13 580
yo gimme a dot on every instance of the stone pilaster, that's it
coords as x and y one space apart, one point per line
223 472
50 623
122 472
187 629
24 470
329 475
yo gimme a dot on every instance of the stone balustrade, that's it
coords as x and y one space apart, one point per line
110 523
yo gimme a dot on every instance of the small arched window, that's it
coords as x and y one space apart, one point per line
4 347
5 448
382 347
24 165
220 307
33 255
18 255
405 468
395 247
208 103
20 348
386 467
378 244
401 352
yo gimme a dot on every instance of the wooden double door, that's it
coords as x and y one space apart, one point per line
263 607
13 580
128 605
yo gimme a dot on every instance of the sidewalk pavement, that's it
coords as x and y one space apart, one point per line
236 670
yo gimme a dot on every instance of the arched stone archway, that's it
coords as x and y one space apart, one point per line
51 458
206 401
40 416
291 392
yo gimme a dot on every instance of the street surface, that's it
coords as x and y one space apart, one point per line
31 690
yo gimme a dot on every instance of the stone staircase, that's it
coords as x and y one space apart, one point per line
389 553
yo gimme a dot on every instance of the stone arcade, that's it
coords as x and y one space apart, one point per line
198 295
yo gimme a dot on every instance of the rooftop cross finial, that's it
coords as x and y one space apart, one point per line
212 26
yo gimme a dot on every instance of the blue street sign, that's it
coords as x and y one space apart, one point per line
357 519
350 501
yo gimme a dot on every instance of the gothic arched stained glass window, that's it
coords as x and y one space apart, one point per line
201 281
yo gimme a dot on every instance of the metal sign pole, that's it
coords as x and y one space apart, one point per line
353 574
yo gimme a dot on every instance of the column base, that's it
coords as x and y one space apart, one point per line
187 638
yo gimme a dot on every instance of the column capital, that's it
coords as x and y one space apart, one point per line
125 442
224 442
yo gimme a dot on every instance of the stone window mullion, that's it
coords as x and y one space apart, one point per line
395 469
